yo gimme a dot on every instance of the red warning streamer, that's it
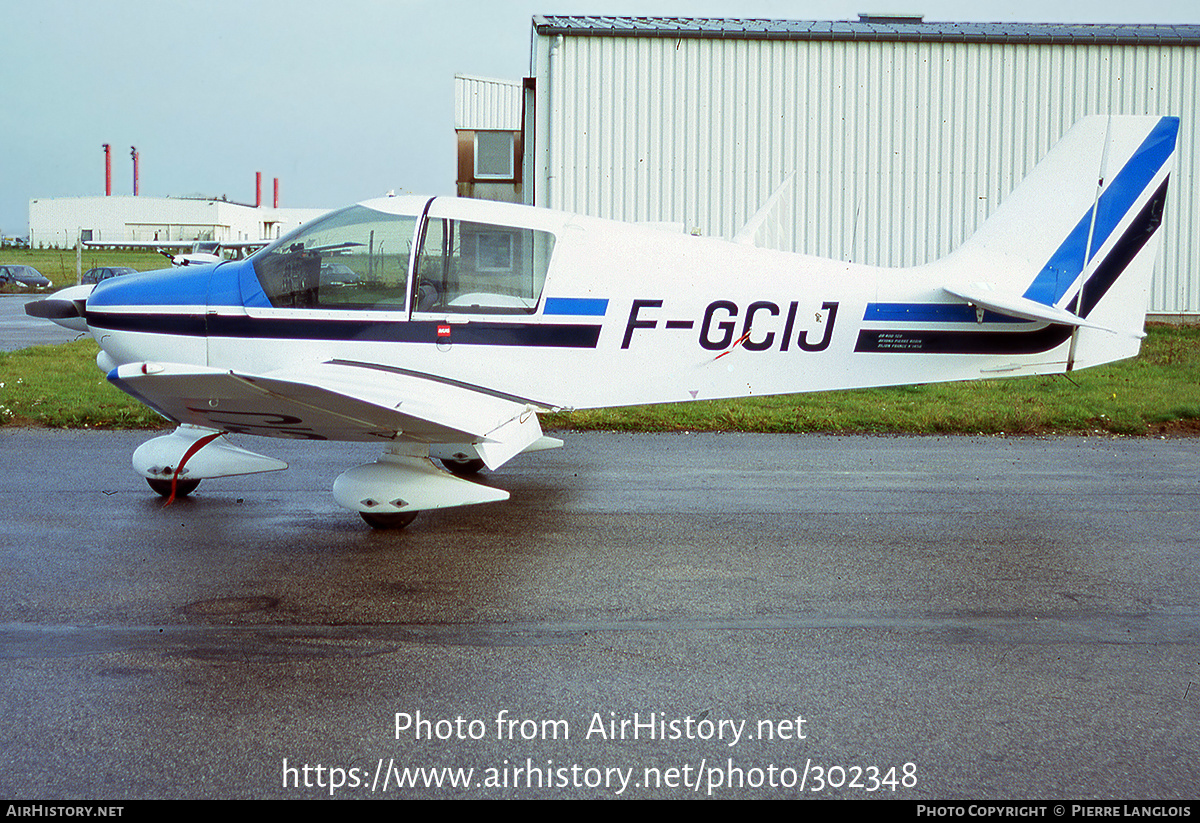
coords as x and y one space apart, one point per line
187 455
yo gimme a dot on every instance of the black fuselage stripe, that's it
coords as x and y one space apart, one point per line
418 331
898 341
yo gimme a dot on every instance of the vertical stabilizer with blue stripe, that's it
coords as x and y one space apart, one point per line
1075 245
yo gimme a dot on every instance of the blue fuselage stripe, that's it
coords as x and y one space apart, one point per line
576 306
932 313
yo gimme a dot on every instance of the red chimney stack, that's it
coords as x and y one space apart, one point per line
276 192
107 170
258 189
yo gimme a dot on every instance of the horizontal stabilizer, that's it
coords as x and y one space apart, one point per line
984 296
509 439
465 451
543 443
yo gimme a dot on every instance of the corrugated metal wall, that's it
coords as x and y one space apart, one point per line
485 104
901 149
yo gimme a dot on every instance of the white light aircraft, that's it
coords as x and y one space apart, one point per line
202 252
442 327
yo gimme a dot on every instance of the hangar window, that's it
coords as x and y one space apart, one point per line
494 155
356 258
481 268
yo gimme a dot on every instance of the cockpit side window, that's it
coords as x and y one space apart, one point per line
480 268
356 258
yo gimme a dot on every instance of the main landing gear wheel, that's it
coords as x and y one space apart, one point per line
462 468
163 487
395 520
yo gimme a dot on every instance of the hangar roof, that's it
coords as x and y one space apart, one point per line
872 27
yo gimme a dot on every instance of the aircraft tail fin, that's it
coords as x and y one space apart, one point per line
1075 243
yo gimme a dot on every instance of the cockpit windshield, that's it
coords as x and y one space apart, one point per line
354 258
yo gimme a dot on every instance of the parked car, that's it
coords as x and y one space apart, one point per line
22 276
102 273
337 274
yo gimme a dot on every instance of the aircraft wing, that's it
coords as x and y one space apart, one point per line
173 244
138 244
337 400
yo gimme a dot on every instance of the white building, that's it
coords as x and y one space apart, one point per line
903 135
59 222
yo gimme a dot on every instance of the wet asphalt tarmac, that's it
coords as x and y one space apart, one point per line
648 616
18 330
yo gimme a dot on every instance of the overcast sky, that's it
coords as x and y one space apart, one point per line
341 100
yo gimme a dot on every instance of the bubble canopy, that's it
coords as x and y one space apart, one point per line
395 259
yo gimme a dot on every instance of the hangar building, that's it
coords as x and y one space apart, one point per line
487 122
903 135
